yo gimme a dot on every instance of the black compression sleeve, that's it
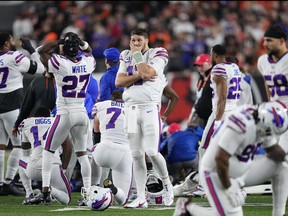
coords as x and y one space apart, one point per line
33 67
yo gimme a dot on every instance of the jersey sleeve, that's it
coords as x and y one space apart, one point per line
54 64
230 140
159 59
219 70
124 55
21 62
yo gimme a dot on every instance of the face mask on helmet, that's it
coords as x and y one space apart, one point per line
155 190
272 118
71 45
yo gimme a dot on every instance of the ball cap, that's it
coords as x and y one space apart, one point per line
201 59
174 127
112 54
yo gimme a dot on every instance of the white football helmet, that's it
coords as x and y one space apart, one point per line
272 117
154 189
98 198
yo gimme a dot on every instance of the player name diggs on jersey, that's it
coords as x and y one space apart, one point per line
79 69
119 104
43 121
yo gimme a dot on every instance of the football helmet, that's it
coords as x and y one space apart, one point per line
71 43
97 198
272 118
154 189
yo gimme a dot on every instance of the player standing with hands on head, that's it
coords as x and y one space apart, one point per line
72 75
12 65
141 73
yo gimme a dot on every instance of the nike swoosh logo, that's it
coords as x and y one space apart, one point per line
149 111
141 204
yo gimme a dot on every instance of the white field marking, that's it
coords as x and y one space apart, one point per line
154 208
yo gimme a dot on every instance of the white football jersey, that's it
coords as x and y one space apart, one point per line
276 76
111 118
246 96
34 130
72 79
237 135
232 74
144 92
12 65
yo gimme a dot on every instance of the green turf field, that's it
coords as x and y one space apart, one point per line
256 205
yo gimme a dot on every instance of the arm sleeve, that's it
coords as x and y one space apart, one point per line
27 105
105 91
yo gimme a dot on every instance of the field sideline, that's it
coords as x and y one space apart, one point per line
256 205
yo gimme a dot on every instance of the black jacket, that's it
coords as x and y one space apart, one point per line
40 92
203 106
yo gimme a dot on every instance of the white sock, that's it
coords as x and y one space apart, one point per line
96 173
159 164
195 209
61 196
26 182
85 170
2 159
140 175
120 197
47 164
13 164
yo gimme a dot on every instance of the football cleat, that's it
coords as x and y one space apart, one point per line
168 197
42 198
196 191
180 208
27 200
11 189
137 203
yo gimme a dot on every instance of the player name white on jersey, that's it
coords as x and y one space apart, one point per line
72 79
276 76
111 117
229 136
144 92
12 65
34 130
232 74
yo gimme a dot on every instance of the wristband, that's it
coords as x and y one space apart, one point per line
138 57
217 123
85 46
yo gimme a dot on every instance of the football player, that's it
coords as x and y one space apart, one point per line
12 66
34 132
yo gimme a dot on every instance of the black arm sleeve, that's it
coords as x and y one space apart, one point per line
96 137
33 67
26 106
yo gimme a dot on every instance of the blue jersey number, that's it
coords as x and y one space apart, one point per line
68 90
3 77
116 113
277 84
235 90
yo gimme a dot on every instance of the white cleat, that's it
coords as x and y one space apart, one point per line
180 208
137 203
168 197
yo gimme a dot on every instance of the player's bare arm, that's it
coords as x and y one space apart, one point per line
276 153
46 50
173 99
222 94
122 80
222 167
67 151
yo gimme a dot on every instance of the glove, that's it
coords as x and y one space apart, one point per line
235 195
60 41
26 44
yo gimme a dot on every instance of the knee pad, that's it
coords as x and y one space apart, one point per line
137 154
